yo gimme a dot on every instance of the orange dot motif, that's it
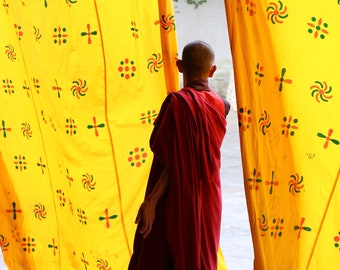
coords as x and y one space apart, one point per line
337 240
134 29
127 68
19 31
251 7
137 157
148 117
61 197
244 118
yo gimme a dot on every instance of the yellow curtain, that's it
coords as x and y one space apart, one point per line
286 56
81 84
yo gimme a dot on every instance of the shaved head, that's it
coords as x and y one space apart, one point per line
198 57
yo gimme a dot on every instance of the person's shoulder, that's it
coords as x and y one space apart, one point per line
172 97
180 93
225 102
226 105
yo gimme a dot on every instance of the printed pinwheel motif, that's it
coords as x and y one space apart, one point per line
289 127
282 79
155 63
103 265
263 225
328 138
3 243
321 91
295 183
167 22
26 130
88 182
37 34
318 28
264 123
71 2
11 55
79 88
276 12
39 211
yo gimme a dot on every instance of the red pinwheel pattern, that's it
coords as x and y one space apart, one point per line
321 91
11 55
295 183
39 211
155 63
276 12
167 22
79 88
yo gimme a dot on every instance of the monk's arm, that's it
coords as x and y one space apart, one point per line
146 213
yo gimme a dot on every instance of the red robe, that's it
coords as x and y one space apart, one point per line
187 137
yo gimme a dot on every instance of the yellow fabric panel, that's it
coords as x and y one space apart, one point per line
285 55
81 84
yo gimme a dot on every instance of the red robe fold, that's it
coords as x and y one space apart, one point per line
187 137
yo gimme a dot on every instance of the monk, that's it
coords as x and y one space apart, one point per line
180 218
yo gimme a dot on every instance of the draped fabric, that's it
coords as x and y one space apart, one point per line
286 56
81 84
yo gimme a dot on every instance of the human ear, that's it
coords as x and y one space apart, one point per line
179 64
212 71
